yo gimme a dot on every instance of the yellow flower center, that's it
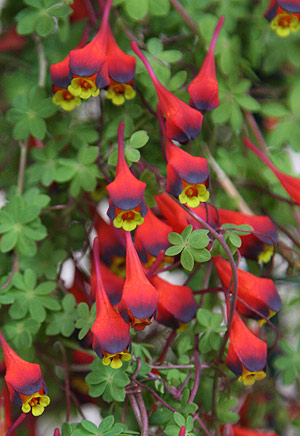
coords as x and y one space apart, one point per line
114 360
249 378
192 195
66 100
284 24
36 403
83 87
266 255
261 322
128 220
118 92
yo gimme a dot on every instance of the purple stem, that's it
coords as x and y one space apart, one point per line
169 341
155 395
136 410
144 415
11 274
197 372
156 264
16 424
216 34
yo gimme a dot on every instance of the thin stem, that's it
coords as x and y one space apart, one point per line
197 371
207 291
136 410
187 18
22 165
16 424
144 415
171 366
202 425
167 345
156 264
256 131
92 15
154 394
138 367
42 60
11 274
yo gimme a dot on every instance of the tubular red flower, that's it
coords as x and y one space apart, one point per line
112 243
151 237
187 175
289 183
12 41
140 298
259 293
242 431
111 337
100 62
183 123
178 218
126 193
258 247
112 283
78 288
204 89
176 304
247 354
24 381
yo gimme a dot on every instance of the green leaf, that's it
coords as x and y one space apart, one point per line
136 9
45 25
175 239
247 102
8 241
139 139
170 56
159 7
89 426
186 259
186 232
154 45
173 251
177 80
199 239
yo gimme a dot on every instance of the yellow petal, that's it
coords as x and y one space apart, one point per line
116 363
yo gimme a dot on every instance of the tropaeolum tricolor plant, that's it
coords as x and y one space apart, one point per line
144 253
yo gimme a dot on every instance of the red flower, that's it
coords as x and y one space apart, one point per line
187 175
242 431
5 411
260 246
183 122
112 244
60 77
126 193
111 333
151 237
176 304
11 40
78 288
289 183
80 11
204 89
247 354
100 62
178 218
140 298
259 293
24 381
284 16
112 283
